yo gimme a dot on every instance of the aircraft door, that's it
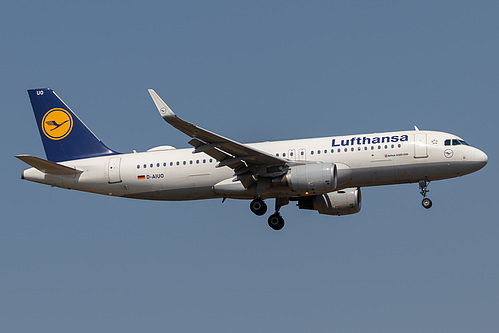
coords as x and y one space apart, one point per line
114 175
420 147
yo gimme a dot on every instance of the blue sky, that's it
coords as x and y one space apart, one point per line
251 71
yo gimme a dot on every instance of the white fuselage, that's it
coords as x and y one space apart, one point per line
362 160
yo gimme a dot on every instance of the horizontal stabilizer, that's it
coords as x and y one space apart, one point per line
48 167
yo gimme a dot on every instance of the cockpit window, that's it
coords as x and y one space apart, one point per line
455 142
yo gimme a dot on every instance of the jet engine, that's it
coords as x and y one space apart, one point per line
312 178
343 202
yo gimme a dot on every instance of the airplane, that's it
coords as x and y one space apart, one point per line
323 174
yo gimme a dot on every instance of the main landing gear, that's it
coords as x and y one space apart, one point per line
258 206
423 186
275 220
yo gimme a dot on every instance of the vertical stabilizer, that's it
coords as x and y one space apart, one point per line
64 136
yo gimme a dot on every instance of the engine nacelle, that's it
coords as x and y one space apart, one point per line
312 178
343 202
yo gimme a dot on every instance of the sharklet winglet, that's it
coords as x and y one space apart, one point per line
163 108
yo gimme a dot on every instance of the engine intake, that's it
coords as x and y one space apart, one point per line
343 202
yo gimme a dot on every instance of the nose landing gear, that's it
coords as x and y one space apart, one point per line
423 186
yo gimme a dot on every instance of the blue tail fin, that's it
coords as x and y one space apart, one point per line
64 136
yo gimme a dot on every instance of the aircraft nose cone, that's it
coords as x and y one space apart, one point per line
481 159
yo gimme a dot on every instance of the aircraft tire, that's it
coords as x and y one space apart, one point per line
427 203
276 221
258 206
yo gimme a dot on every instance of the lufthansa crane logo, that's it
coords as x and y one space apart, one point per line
57 124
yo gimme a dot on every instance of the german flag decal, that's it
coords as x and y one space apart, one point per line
142 177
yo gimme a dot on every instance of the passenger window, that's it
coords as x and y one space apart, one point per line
318 152
311 152
197 161
351 149
325 151
190 162
291 154
302 153
277 154
339 150
138 166
358 149
145 166
204 161
157 165
211 160
283 154
151 165
346 150
332 151
178 163
171 163
393 146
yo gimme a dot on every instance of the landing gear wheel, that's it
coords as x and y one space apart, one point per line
258 206
276 221
427 203
423 186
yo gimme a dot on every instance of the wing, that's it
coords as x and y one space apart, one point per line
247 162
